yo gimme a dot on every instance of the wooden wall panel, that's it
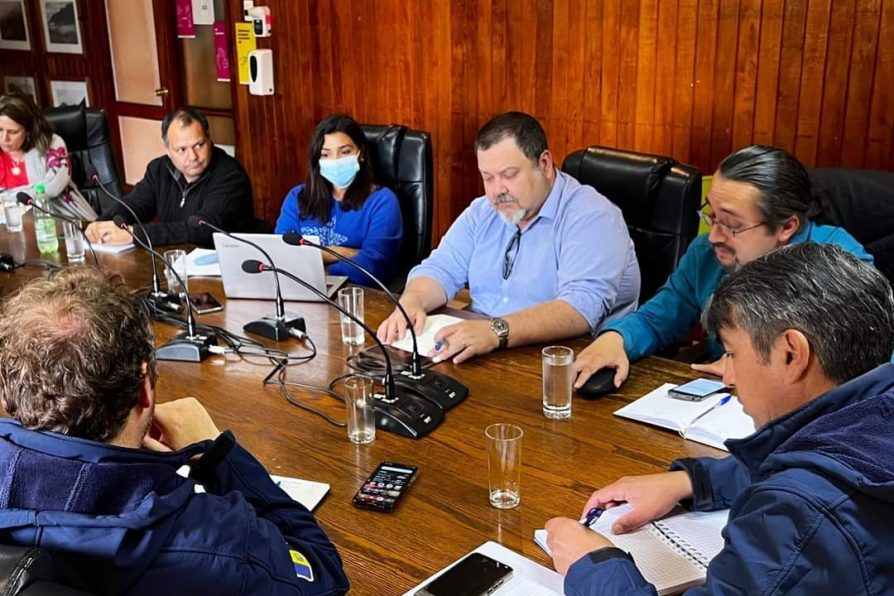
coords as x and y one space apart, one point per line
694 79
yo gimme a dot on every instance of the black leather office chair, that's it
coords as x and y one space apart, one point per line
402 160
861 202
658 197
86 134
29 571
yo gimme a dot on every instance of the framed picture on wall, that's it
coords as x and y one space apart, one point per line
23 85
69 93
13 26
61 29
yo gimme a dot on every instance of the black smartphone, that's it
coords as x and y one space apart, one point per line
204 302
475 575
697 390
385 487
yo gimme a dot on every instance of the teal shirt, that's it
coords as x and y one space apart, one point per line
678 304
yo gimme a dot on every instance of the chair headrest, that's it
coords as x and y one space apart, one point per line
628 179
70 123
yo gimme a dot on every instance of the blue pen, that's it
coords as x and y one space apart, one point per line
592 515
723 401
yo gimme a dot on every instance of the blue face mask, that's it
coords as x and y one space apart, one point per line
340 172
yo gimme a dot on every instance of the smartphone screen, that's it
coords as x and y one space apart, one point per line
385 487
204 302
475 575
697 390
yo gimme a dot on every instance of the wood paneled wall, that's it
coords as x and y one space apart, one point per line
694 79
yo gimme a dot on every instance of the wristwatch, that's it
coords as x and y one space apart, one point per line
500 327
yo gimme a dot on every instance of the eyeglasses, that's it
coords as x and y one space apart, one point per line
708 220
511 254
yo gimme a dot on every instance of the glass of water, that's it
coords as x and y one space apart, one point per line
74 240
12 210
351 299
359 402
557 379
175 261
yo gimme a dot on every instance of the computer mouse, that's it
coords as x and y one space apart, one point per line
601 382
7 263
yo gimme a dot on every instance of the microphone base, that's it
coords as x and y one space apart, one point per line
186 348
445 392
164 301
406 414
275 328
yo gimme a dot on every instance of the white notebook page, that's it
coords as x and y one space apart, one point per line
662 565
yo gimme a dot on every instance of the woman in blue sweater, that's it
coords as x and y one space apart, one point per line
342 205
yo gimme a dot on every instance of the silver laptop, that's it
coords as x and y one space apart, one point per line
303 262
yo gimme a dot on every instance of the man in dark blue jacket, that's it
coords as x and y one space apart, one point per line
811 493
88 464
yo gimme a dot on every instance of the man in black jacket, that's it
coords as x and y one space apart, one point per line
194 178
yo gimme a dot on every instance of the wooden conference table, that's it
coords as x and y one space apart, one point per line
446 512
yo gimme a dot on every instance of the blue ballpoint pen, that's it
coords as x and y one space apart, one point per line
724 400
592 515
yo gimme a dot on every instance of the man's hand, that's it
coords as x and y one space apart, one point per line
606 351
716 368
569 540
395 326
178 424
651 496
106 232
463 340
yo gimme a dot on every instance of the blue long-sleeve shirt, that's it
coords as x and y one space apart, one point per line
577 249
678 304
375 229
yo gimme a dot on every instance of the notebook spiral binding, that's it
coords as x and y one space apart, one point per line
680 545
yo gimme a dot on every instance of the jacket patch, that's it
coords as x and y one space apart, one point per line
301 565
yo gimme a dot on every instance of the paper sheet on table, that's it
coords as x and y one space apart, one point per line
112 249
426 339
528 578
203 262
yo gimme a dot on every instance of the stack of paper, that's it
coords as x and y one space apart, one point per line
426 340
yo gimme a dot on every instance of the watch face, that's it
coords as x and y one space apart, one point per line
500 326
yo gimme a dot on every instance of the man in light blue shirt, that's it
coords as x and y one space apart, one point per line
544 257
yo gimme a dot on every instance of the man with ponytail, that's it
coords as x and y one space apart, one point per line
760 199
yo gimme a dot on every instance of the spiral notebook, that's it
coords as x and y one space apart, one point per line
672 553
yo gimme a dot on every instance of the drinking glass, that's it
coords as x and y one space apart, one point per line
175 261
13 212
351 299
74 240
359 406
557 379
504 464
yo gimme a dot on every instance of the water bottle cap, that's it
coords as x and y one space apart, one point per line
39 187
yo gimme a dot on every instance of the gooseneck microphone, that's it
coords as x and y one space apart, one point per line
189 346
277 327
445 391
397 411
25 200
161 300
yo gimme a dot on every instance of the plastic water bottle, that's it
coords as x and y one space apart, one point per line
44 224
